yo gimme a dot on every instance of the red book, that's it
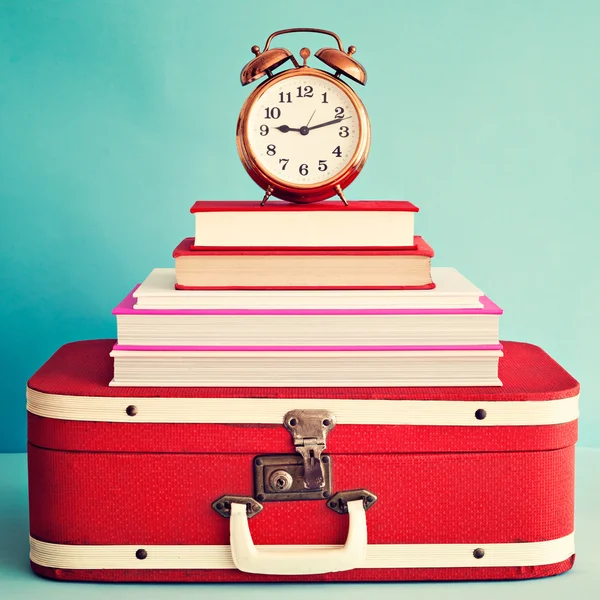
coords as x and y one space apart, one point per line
126 484
362 224
303 268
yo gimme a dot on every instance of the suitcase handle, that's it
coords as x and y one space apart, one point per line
280 561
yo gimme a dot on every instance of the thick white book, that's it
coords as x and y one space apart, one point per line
452 290
312 327
276 368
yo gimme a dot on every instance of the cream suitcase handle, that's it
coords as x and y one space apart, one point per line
248 558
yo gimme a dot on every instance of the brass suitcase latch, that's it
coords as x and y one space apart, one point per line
302 476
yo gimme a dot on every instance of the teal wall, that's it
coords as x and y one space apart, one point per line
117 115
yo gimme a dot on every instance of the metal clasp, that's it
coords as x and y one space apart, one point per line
309 429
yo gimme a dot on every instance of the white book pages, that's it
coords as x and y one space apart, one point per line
305 229
306 369
140 329
452 290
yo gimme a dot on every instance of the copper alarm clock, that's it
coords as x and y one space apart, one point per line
303 134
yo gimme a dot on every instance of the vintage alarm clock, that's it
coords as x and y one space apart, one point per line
303 135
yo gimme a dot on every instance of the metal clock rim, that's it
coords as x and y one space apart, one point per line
282 188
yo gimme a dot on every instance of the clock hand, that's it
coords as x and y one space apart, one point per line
311 118
285 128
327 123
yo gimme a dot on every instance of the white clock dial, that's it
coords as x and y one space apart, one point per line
303 130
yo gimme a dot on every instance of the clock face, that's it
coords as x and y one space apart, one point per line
303 130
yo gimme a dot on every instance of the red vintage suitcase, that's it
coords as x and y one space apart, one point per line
205 484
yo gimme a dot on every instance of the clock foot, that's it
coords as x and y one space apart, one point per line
268 193
338 191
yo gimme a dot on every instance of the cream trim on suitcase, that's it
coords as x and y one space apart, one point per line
378 556
272 410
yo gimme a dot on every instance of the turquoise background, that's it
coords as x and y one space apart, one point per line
117 115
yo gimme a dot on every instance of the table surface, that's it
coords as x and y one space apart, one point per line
17 581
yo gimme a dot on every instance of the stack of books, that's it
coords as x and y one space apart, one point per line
313 295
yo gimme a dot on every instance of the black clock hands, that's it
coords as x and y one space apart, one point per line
305 129
302 130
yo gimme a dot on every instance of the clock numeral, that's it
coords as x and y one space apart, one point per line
307 92
344 131
287 96
272 113
303 170
337 152
271 150
324 94
322 165
264 130
339 113
285 161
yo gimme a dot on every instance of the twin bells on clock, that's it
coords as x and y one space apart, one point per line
303 134
271 58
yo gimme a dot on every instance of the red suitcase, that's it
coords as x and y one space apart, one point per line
372 484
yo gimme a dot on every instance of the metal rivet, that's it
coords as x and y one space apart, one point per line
479 553
131 410
370 499
325 459
220 506
326 422
293 422
333 504
480 414
258 462
326 494
141 554
260 497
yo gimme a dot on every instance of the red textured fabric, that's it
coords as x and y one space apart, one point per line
85 368
431 498
276 206
188 437
231 575
134 483
526 371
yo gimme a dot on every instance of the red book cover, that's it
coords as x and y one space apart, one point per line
420 248
274 205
